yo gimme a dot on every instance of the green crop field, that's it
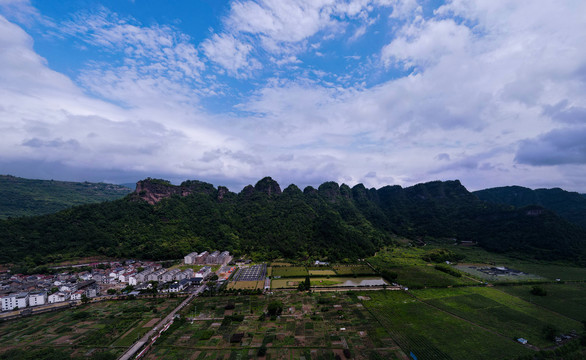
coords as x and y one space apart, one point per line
322 272
289 271
499 312
433 334
427 276
567 299
354 270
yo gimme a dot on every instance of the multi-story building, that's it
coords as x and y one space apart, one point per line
143 275
13 301
170 275
186 274
201 258
156 276
190 258
213 258
37 298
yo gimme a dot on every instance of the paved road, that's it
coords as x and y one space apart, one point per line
135 348
131 352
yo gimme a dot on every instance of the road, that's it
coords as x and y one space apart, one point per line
145 339
136 347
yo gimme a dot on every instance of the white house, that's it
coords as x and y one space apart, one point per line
77 295
86 277
132 280
37 298
57 297
203 272
65 288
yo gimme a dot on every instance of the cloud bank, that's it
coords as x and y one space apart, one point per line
379 92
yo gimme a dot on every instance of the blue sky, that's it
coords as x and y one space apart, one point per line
491 92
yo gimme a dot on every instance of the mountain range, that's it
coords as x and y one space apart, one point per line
569 205
335 222
28 197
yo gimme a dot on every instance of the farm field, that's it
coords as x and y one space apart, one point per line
328 282
358 270
289 271
433 334
550 271
420 276
499 312
311 326
322 272
99 330
567 299
246 284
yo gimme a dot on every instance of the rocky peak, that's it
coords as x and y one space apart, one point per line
268 186
155 190
329 190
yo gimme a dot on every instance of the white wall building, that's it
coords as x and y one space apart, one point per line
190 258
57 297
39 298
203 272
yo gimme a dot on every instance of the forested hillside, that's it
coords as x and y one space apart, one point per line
332 222
569 205
27 197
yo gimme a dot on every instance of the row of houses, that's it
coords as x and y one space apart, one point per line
25 299
161 275
206 258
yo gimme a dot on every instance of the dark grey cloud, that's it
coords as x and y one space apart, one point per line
564 113
557 147
53 143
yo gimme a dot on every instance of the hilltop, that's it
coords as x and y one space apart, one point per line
568 205
336 222
28 197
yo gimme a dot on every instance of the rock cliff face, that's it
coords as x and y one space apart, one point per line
155 190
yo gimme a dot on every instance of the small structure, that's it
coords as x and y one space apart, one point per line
522 341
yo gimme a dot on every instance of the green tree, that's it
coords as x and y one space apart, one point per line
275 308
307 283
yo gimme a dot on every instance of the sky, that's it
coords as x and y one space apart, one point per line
379 92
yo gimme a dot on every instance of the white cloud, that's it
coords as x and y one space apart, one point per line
282 28
490 86
46 118
150 63
424 43
230 53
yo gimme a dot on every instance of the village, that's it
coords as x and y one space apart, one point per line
106 279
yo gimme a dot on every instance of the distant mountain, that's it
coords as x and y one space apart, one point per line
336 222
26 197
569 205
